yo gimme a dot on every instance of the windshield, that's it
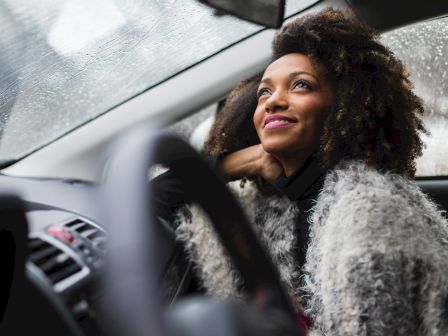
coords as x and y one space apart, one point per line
67 62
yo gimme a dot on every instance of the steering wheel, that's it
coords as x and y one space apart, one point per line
133 269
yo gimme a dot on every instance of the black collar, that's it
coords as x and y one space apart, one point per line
305 182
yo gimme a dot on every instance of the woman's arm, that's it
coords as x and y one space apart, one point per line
375 266
168 195
387 294
251 161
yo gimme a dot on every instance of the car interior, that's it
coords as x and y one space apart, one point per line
81 252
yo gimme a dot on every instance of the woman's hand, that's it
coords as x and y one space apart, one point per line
252 161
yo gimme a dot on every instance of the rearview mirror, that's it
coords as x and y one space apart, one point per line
268 13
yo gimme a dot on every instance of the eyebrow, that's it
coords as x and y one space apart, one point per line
291 75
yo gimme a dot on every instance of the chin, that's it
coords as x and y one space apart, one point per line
275 148
282 142
283 149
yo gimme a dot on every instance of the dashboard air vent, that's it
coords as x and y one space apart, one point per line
92 233
56 264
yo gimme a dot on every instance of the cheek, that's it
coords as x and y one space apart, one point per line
321 115
314 112
313 121
317 123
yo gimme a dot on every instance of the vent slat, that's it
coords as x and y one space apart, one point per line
89 231
37 244
64 272
99 235
44 254
79 227
56 264
75 223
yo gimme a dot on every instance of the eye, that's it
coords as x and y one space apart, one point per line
263 92
303 84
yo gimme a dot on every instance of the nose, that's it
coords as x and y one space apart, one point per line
278 101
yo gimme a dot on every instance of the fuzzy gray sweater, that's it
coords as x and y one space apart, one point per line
377 261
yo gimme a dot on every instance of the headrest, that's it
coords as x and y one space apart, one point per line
200 133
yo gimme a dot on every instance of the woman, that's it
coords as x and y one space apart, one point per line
337 128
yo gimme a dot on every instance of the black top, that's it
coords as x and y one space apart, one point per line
305 183
303 187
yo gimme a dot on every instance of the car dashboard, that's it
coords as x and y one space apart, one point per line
67 245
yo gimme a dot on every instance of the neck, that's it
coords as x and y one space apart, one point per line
292 162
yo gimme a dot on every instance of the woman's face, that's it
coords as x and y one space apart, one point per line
293 96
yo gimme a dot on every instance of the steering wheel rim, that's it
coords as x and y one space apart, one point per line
128 200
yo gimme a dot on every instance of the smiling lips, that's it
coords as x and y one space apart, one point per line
277 121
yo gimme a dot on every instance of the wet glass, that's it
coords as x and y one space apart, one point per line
65 62
423 48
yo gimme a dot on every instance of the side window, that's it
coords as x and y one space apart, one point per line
423 48
194 128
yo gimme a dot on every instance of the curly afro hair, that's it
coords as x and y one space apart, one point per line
376 117
233 128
